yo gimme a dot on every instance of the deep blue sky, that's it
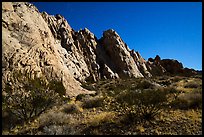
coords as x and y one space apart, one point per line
170 29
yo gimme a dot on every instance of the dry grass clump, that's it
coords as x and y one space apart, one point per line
103 117
192 96
56 123
58 130
44 124
53 117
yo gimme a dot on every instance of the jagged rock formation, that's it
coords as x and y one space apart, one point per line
43 44
118 54
141 63
28 45
154 66
159 67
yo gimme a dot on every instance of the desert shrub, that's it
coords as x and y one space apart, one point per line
196 101
93 102
188 101
82 97
30 99
56 123
145 84
72 108
52 117
192 84
172 94
59 130
144 103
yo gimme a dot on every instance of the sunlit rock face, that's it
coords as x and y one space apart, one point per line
42 44
29 45
119 56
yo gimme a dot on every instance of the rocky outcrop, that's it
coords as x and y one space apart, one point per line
158 67
42 44
172 66
70 54
118 55
141 63
154 66
28 45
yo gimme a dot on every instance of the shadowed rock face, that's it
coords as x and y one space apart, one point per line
158 66
43 44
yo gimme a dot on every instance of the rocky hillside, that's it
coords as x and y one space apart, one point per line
42 44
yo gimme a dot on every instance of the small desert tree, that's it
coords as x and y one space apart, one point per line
27 97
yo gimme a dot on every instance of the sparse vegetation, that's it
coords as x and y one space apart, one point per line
93 102
72 108
145 84
104 117
144 103
30 99
188 101
136 106
192 84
